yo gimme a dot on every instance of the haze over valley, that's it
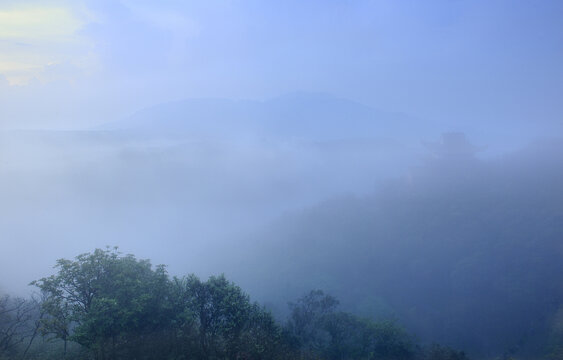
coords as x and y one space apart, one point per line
391 170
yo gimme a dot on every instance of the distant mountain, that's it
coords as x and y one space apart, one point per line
294 116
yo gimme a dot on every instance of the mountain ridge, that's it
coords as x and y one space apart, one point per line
295 115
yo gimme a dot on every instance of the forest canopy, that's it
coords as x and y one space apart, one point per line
105 305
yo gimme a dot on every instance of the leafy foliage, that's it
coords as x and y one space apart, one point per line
119 307
323 332
464 251
109 306
105 302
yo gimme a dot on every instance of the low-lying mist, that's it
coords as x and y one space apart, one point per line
464 251
452 235
169 183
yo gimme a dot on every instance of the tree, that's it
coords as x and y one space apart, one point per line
227 324
16 323
119 307
306 319
322 332
112 303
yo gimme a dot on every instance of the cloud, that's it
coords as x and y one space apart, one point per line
34 37
170 20
32 23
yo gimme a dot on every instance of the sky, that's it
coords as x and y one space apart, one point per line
77 64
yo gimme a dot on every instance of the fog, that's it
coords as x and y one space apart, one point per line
465 251
173 193
403 157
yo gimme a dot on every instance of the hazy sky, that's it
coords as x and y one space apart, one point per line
80 62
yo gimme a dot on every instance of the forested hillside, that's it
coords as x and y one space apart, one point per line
464 251
103 305
460 251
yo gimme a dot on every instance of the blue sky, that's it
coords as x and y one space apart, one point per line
68 64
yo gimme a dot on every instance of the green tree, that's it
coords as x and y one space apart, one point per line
306 320
227 324
113 303
321 332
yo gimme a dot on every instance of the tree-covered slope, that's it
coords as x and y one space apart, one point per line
464 251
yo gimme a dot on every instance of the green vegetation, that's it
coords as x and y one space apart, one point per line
103 305
465 252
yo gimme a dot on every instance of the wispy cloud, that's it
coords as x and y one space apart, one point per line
51 35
